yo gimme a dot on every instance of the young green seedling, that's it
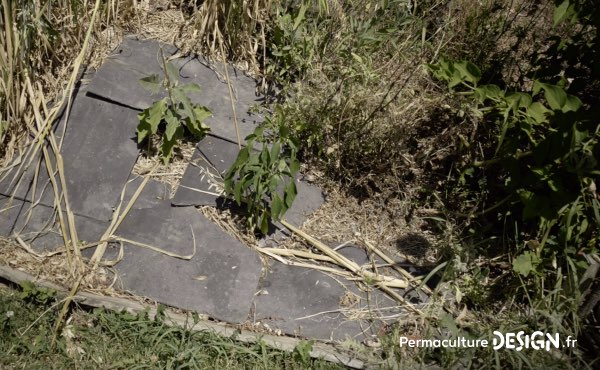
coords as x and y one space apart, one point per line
174 114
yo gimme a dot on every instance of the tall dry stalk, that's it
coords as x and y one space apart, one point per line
235 26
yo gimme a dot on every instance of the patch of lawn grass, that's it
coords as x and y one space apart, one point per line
105 339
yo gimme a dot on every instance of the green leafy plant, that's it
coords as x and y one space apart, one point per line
264 179
36 294
292 47
174 115
547 152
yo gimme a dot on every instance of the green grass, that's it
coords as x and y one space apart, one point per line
109 340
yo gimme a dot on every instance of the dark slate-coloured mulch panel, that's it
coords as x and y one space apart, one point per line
118 77
39 225
290 296
309 198
118 80
99 151
153 193
220 280
306 303
213 157
18 181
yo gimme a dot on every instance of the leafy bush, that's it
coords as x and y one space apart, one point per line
264 179
546 159
173 115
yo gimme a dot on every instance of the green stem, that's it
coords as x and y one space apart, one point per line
164 62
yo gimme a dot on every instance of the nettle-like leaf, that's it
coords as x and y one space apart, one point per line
173 133
151 83
150 119
172 74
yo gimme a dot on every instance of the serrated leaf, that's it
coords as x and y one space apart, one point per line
190 88
173 124
155 114
523 264
172 73
201 113
468 71
184 105
151 83
168 145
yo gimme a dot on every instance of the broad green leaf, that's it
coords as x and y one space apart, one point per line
555 96
538 112
294 164
237 192
290 193
455 80
264 222
173 74
561 12
276 206
487 92
275 149
143 131
168 145
265 157
468 71
519 100
190 88
572 104
156 113
201 112
184 105
151 83
173 124
524 263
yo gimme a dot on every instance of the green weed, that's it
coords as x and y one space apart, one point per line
174 115
264 180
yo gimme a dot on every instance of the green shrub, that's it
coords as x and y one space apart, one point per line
264 179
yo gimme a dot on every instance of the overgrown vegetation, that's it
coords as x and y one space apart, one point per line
476 121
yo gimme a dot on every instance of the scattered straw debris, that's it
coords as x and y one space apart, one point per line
171 173
343 218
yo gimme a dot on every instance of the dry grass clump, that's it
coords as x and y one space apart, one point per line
52 266
345 219
149 163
